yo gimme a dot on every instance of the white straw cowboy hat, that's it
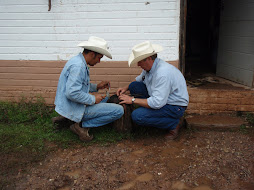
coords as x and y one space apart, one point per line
96 44
142 51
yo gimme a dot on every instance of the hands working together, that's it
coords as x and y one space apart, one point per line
124 99
101 85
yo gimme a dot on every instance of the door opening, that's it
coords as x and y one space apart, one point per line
202 34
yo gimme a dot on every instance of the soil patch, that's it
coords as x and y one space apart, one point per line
197 160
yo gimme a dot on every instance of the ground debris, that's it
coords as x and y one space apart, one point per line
201 160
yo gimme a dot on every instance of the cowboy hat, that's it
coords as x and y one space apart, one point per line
96 44
142 51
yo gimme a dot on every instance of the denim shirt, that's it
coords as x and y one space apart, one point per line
72 95
165 85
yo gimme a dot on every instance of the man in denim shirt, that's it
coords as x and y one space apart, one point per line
160 91
73 100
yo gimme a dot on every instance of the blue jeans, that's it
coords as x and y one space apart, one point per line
166 117
101 114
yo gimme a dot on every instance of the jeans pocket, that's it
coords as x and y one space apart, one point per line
179 111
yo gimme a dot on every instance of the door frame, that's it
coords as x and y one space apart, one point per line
182 35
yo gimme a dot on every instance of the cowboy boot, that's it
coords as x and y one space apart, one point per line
173 134
82 132
61 122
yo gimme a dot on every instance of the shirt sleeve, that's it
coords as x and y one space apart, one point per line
160 92
76 88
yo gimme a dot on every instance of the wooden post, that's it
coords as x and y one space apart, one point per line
124 124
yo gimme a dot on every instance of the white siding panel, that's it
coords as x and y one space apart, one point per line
28 31
236 42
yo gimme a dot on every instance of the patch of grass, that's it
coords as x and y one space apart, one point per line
27 125
247 128
27 135
107 135
243 129
250 118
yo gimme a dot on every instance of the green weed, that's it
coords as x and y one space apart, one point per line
27 124
243 129
250 118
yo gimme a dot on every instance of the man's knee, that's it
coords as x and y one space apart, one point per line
137 116
118 111
132 86
138 89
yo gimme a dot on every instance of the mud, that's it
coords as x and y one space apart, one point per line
201 160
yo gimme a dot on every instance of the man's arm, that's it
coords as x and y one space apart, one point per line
125 99
74 86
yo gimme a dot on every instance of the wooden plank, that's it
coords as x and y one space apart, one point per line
40 83
26 63
28 70
29 76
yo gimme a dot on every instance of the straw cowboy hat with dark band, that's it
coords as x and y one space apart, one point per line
96 44
142 51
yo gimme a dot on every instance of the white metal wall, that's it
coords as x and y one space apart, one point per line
236 42
28 31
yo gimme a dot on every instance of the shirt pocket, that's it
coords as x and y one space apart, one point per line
85 86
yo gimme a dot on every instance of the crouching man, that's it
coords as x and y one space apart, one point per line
160 91
73 100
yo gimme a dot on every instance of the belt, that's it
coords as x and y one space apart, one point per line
185 107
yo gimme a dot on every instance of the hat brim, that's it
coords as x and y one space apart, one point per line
134 60
97 49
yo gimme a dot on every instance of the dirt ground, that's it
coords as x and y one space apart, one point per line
200 160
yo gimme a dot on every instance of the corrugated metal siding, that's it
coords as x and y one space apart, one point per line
236 42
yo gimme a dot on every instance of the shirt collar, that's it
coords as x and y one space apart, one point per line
154 65
84 61
82 57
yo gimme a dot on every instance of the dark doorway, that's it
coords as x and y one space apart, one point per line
202 34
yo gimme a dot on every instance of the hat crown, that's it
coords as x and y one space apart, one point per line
142 51
142 48
100 42
96 44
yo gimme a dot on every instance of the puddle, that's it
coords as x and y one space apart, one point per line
138 152
170 151
179 186
127 186
203 187
144 177
64 188
174 163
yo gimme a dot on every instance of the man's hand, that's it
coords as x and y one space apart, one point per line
103 84
121 90
125 99
98 98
